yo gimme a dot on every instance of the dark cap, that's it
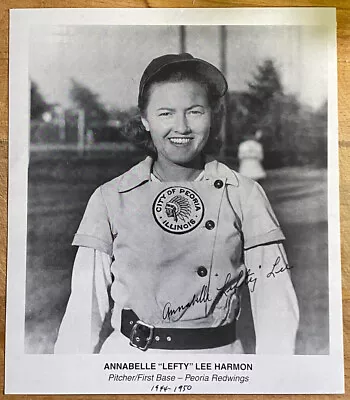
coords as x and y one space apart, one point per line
174 61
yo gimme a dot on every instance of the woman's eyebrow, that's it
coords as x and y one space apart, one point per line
173 109
195 105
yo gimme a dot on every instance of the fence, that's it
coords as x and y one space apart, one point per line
61 130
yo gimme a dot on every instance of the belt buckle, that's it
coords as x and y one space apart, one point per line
141 335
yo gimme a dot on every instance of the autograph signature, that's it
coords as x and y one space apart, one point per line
202 297
274 272
252 279
230 286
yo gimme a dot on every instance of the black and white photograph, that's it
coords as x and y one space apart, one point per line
179 184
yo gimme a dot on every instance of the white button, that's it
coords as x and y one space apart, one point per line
168 338
157 338
137 339
131 322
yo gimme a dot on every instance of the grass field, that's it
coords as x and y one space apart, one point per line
59 189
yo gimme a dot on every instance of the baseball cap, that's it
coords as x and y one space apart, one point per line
173 61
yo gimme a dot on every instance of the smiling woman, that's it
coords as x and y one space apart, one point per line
185 102
178 119
165 248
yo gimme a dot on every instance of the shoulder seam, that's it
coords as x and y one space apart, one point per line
107 211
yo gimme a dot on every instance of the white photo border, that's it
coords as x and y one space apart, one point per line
50 374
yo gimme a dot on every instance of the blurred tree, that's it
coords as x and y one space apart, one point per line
237 119
37 103
257 108
84 98
319 133
123 115
266 103
293 133
322 116
280 125
266 84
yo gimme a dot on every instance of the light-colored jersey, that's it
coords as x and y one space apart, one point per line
250 155
176 252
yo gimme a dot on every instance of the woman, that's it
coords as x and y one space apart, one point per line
251 155
165 248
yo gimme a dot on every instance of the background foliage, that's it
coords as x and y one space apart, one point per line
292 133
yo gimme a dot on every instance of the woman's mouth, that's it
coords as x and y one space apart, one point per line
181 141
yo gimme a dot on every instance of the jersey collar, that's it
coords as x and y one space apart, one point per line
214 170
141 173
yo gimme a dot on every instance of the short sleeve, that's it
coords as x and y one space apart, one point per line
94 230
259 225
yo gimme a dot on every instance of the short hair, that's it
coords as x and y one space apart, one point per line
135 131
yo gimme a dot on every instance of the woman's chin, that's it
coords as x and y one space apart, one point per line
183 156
185 160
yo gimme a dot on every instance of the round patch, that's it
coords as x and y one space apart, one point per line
178 209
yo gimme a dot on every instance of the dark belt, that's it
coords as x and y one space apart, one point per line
144 336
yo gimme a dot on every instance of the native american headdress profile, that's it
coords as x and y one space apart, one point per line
178 208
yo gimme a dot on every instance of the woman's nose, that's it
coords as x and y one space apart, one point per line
181 124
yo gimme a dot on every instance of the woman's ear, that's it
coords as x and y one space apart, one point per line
145 123
218 107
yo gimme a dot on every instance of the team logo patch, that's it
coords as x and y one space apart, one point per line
178 209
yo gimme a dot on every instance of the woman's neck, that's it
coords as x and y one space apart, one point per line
170 172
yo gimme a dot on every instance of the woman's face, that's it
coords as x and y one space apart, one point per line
178 117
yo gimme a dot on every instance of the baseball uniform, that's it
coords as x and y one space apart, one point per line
177 254
251 155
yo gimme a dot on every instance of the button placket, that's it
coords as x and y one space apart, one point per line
211 225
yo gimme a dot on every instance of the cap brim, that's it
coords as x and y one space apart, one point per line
206 69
